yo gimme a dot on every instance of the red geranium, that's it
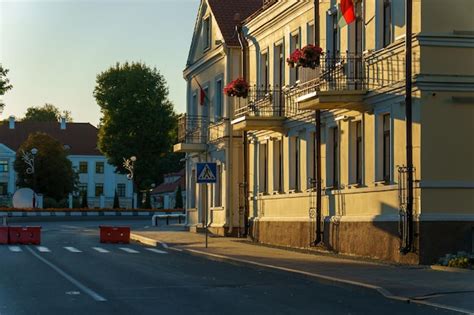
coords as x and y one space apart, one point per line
307 57
239 88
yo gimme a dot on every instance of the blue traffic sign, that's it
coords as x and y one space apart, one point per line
206 173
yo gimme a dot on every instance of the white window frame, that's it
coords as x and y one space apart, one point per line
207 38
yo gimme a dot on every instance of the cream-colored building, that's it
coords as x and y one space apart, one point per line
205 130
359 90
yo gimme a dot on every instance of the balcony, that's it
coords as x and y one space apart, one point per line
192 134
263 109
338 82
218 130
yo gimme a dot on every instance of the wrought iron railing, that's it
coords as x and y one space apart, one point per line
218 130
193 128
262 101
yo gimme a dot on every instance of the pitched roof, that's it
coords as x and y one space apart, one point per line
80 137
225 11
171 187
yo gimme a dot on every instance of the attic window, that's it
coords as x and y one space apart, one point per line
206 32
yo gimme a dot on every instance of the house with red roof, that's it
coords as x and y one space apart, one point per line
97 178
164 195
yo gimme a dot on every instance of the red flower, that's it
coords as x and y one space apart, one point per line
239 88
307 57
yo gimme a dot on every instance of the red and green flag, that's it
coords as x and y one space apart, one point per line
346 12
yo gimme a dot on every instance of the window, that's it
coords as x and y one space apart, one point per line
99 167
219 100
205 107
356 152
386 148
310 33
264 80
294 44
387 23
334 47
83 168
294 162
194 106
277 166
263 168
3 166
193 189
121 190
99 189
83 189
311 153
206 33
333 154
3 189
218 188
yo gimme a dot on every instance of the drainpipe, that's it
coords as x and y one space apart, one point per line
244 48
230 151
319 235
409 120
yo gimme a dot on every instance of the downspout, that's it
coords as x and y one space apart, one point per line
230 158
319 235
409 121
243 47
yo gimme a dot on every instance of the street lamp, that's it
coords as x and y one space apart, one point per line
129 165
29 159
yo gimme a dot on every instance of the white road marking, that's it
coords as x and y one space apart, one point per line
129 250
72 249
164 245
15 249
79 285
101 250
43 249
156 250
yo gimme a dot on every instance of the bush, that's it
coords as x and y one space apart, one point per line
460 260
49 203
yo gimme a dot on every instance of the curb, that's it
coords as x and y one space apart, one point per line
450 269
384 292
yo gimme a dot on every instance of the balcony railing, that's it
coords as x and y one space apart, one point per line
218 130
193 129
262 101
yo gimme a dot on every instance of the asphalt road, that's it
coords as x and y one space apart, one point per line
72 273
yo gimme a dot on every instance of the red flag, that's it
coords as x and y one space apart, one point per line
347 11
202 94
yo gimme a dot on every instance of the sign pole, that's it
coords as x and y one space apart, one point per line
207 213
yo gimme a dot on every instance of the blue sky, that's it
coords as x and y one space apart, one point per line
54 49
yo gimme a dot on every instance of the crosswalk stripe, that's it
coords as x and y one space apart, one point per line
72 249
100 250
129 250
14 249
43 249
156 250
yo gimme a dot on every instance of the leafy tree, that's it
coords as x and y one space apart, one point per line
138 120
53 174
116 201
147 203
4 83
47 112
179 199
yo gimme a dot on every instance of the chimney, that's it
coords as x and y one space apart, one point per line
11 122
63 123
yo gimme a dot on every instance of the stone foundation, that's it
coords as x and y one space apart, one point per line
376 239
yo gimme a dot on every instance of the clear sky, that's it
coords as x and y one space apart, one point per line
54 49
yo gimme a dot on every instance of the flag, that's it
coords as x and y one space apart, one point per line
346 13
202 94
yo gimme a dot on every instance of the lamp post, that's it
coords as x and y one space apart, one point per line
129 165
29 159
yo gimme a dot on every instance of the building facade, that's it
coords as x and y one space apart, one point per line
97 178
319 153
164 196
359 89
205 130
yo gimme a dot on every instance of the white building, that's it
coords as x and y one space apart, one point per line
96 176
164 195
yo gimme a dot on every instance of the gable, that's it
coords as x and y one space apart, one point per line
4 150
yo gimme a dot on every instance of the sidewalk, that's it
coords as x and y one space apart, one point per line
418 284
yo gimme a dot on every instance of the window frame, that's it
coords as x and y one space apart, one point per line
82 169
119 186
97 167
207 33
96 186
387 20
4 166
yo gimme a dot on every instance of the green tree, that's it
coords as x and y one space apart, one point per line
84 204
179 198
45 113
53 174
4 83
138 120
116 201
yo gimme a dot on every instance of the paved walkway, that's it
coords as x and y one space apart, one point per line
419 284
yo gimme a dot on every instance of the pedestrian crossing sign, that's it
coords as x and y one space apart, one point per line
206 173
